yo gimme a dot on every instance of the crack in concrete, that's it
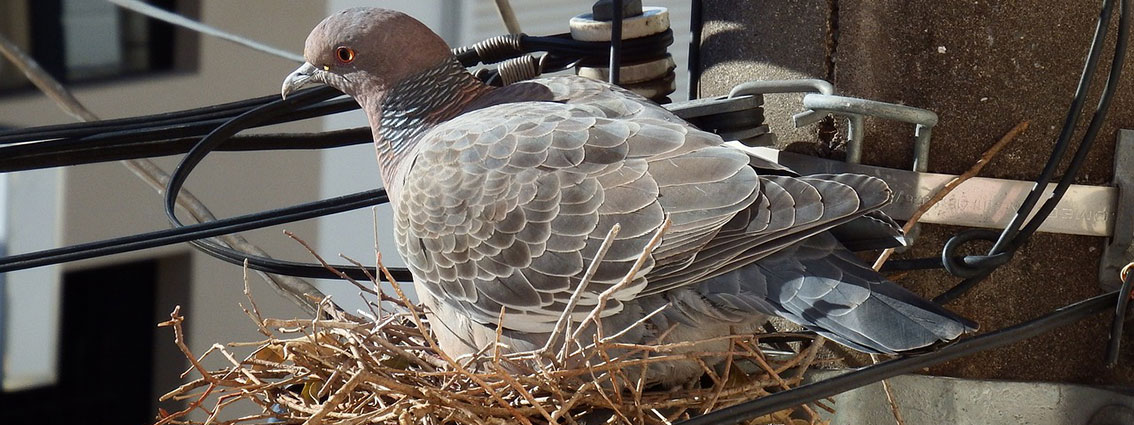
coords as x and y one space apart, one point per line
832 38
827 129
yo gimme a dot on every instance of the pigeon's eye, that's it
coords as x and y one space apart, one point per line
344 54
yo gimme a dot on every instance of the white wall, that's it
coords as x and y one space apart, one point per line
31 318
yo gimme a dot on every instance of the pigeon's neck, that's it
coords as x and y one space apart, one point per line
417 104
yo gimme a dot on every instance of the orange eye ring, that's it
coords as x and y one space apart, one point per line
344 54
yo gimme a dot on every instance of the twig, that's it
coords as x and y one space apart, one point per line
937 197
593 316
335 399
954 183
433 344
253 311
564 318
890 398
724 378
326 265
783 384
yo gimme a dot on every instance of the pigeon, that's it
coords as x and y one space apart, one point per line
502 198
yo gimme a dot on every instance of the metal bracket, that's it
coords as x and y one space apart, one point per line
855 109
821 101
1120 250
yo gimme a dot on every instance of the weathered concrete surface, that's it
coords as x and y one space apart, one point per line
982 66
747 40
935 400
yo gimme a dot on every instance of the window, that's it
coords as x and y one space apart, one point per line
113 361
91 40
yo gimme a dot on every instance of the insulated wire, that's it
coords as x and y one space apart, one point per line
1012 238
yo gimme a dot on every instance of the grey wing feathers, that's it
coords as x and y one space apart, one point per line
789 209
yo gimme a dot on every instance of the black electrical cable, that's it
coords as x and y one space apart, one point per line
87 128
1093 128
972 265
1114 345
1069 124
150 148
635 48
216 138
616 42
119 136
1012 237
696 27
195 231
890 368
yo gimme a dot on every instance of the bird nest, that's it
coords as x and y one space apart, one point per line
383 366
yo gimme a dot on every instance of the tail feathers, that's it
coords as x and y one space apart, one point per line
819 284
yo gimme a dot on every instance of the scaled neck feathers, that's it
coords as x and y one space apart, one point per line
415 105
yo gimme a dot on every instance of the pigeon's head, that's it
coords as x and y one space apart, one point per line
365 51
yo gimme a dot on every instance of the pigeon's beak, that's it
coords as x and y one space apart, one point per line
298 78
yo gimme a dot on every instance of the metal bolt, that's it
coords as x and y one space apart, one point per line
603 10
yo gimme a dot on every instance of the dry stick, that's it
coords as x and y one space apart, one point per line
637 323
564 318
805 363
254 311
294 288
772 372
335 399
377 288
891 399
512 382
175 321
954 183
605 295
724 378
326 265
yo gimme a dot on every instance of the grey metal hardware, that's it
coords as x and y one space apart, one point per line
855 109
1119 251
812 85
737 117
